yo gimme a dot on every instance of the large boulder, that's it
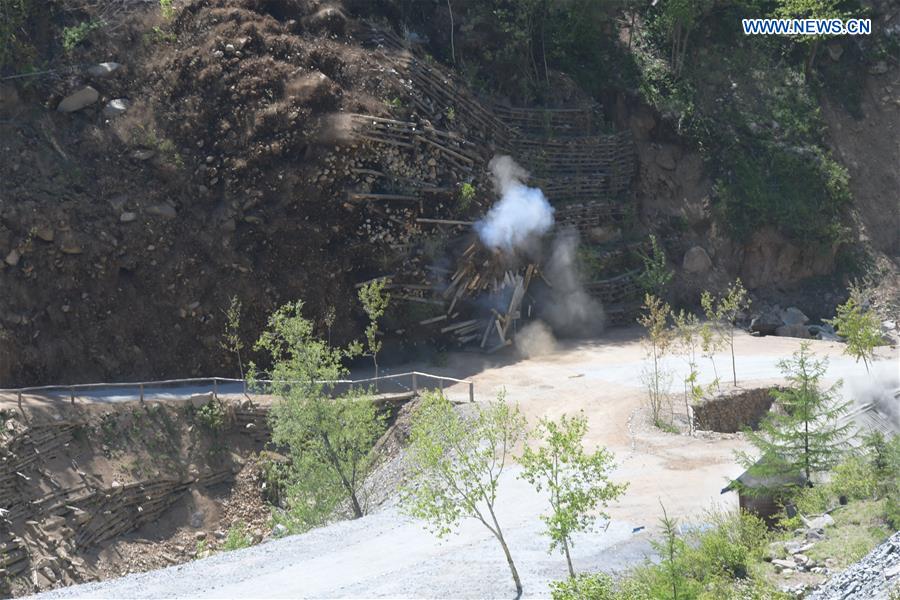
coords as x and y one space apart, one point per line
78 100
766 323
696 260
794 316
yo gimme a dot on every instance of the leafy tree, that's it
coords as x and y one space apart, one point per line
811 9
656 275
455 465
578 482
859 326
806 436
653 319
330 439
724 311
374 301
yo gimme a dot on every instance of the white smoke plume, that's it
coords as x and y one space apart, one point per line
879 387
521 215
569 309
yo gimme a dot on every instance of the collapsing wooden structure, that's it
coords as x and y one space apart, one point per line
448 135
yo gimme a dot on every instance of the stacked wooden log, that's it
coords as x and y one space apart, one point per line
13 556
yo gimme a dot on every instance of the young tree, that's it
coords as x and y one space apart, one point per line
656 274
859 326
687 341
455 465
374 301
231 337
578 482
711 341
330 439
724 311
657 379
680 18
806 436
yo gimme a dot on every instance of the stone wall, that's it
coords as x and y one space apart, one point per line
733 410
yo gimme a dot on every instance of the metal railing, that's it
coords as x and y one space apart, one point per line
410 381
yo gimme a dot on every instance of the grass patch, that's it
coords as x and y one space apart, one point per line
858 528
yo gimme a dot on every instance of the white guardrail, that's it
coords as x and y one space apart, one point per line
411 381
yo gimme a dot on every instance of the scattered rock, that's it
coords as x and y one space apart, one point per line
824 332
69 245
142 154
868 578
279 530
78 100
781 564
128 217
815 534
12 259
104 69
44 233
820 522
115 107
696 260
200 535
166 211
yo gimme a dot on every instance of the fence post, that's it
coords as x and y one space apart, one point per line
142 393
72 394
471 392
20 402
215 389
415 383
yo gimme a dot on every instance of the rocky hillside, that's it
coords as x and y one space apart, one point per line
177 155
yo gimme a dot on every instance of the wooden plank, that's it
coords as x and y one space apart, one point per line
433 320
444 221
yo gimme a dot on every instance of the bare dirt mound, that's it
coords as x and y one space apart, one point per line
119 231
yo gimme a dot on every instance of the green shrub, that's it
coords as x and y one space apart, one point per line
75 35
854 479
211 415
595 586
238 537
466 195
166 8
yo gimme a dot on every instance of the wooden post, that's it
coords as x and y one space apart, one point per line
215 389
142 393
471 392
20 402
415 383
72 394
